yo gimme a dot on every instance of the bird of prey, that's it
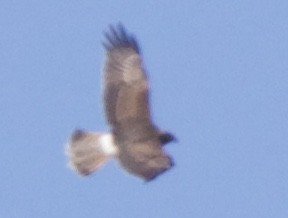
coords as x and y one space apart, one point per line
134 140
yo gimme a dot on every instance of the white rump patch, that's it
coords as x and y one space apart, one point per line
107 144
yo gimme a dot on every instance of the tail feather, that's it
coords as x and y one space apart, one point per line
88 151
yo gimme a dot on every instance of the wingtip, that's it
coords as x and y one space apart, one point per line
118 37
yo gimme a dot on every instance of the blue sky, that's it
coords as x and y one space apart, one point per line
219 81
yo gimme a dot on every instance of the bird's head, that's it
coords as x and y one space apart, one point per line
166 137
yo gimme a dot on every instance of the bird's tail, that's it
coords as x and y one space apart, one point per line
88 151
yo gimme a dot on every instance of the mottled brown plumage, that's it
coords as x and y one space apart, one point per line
126 101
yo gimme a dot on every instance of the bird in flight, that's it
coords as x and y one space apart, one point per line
134 140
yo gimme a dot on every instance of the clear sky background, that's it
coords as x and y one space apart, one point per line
219 79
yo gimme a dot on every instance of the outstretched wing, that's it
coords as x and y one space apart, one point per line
126 104
125 81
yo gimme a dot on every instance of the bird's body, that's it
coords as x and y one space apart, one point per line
137 141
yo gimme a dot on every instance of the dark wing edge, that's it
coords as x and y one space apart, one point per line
118 38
